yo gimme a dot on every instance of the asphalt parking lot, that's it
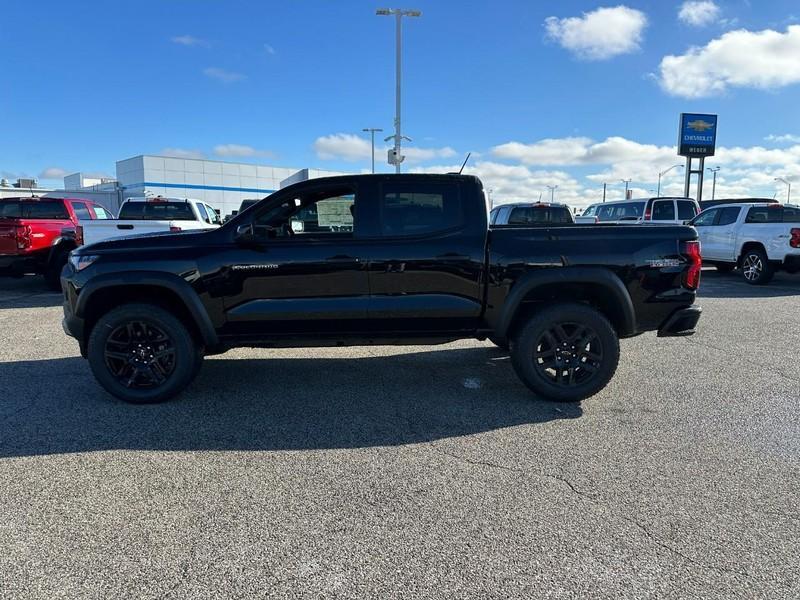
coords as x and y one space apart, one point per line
408 471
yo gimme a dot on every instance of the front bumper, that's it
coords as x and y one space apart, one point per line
682 322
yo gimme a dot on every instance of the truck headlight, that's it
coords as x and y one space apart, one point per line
80 261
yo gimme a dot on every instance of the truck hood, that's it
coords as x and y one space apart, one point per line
162 239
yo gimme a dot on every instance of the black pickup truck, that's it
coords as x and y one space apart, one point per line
378 259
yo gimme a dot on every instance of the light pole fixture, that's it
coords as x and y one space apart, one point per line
552 189
789 188
395 155
372 131
713 180
661 174
626 182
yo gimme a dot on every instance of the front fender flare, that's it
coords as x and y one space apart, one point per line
175 284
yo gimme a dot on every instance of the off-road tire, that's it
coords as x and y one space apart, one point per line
587 362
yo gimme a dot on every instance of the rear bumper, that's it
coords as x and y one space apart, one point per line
792 263
16 265
682 322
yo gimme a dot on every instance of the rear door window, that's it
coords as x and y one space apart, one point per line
663 210
101 213
729 215
412 209
764 214
686 210
203 214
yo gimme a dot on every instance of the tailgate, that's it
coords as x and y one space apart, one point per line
100 230
8 236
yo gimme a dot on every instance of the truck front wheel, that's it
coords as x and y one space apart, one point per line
566 352
141 353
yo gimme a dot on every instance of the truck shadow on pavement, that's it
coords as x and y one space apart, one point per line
731 285
55 406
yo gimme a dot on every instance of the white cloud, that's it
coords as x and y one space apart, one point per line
787 138
353 148
698 13
223 75
53 173
182 153
188 40
600 34
756 59
581 151
241 151
269 49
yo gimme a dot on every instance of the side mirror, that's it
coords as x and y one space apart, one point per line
244 234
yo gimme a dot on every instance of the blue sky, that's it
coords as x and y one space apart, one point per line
544 93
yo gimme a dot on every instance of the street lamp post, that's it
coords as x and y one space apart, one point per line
661 174
626 182
788 189
398 13
713 180
552 189
372 131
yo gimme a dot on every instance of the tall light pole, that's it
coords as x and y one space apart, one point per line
789 188
662 173
626 182
713 180
552 189
398 13
372 131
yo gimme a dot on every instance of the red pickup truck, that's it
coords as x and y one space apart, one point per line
37 234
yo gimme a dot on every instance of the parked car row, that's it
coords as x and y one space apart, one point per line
37 234
658 209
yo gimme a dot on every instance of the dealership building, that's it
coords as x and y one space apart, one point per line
220 184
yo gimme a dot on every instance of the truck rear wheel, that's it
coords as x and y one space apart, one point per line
142 354
566 352
756 268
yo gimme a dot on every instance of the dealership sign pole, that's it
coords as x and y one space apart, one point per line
697 138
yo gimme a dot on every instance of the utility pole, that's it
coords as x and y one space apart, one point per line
398 13
713 180
604 191
372 131
788 190
626 182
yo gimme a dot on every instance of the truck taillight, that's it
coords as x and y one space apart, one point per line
174 229
794 242
691 278
23 235
79 235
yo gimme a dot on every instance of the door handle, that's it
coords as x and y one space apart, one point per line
452 256
124 226
341 258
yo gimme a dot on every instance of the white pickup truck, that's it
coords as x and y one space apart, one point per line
756 237
152 215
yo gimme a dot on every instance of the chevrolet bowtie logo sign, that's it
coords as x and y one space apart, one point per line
697 135
700 125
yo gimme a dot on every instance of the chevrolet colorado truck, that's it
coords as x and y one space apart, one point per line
378 259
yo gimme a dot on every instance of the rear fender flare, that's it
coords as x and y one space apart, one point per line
569 275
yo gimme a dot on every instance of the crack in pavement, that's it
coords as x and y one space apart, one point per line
770 368
592 499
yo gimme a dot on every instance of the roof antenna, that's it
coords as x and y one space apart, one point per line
464 164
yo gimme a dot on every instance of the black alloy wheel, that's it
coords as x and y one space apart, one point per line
568 354
140 355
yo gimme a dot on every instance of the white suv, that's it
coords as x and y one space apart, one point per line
645 210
